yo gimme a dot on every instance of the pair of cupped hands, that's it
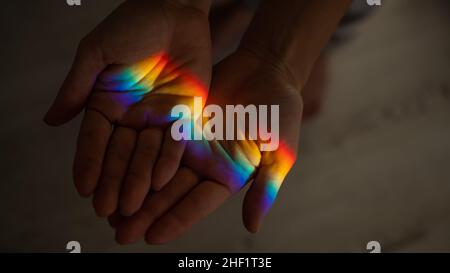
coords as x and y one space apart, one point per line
142 60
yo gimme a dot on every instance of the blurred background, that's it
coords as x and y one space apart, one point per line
374 164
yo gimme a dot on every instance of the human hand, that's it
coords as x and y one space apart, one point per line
214 170
143 59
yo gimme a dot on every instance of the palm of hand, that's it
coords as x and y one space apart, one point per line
139 29
158 56
243 79
216 169
142 95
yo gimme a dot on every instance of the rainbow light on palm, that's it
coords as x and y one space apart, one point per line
156 74
242 159
245 160
283 161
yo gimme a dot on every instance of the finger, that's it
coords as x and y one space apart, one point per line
263 191
78 84
116 163
115 219
91 146
200 202
155 205
168 161
138 179
258 200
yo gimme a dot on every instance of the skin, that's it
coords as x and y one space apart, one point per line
196 190
114 132
271 67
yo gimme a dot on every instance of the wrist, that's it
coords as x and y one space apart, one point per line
267 57
294 32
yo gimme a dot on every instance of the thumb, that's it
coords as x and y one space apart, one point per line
78 85
264 189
